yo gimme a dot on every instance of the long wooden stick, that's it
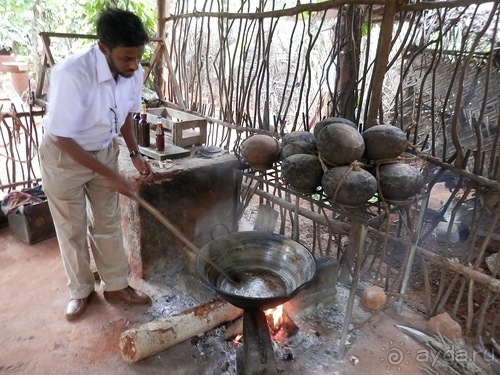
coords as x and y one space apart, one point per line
162 219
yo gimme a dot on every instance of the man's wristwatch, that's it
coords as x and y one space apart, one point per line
134 153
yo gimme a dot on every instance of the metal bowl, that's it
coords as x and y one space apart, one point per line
271 268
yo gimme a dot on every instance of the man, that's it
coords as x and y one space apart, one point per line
91 97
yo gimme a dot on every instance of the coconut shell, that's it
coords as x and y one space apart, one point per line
298 136
373 298
332 120
261 151
356 185
303 172
399 182
300 147
340 144
384 142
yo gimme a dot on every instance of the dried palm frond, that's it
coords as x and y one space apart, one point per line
445 357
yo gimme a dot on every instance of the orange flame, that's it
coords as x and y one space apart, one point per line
277 314
237 339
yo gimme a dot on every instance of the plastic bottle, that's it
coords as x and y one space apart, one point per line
160 135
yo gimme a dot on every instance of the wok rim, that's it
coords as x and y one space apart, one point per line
255 302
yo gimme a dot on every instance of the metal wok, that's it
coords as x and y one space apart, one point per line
271 268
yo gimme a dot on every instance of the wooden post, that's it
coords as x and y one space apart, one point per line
162 12
349 59
380 67
353 289
350 252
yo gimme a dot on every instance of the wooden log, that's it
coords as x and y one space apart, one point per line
153 337
234 329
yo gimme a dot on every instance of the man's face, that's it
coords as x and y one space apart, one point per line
123 61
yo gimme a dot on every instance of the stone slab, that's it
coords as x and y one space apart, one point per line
171 152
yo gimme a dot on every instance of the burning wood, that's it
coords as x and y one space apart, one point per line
280 325
274 317
153 337
233 330
238 339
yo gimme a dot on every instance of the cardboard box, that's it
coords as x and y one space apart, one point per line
187 129
32 223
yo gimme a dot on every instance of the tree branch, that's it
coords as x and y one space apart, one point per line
299 8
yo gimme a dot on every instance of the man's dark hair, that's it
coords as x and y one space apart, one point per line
116 27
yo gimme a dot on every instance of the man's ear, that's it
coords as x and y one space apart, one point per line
104 49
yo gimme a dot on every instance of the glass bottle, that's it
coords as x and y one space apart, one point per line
160 135
144 135
137 119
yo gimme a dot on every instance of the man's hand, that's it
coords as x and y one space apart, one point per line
142 166
128 134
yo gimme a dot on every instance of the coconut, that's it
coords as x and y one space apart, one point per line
298 136
260 151
398 181
332 120
300 147
349 185
373 297
384 142
298 142
340 144
303 172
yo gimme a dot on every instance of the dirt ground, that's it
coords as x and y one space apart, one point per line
36 339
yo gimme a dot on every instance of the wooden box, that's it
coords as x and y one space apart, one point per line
187 130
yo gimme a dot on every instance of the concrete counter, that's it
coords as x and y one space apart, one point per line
195 194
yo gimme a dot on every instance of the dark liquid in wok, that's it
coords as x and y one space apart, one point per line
256 284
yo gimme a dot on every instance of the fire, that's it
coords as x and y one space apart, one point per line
279 324
277 315
237 339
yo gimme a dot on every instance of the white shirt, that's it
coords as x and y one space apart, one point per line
83 99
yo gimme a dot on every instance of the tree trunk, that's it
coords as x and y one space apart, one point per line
349 60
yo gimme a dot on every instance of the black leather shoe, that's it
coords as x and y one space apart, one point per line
76 308
129 295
